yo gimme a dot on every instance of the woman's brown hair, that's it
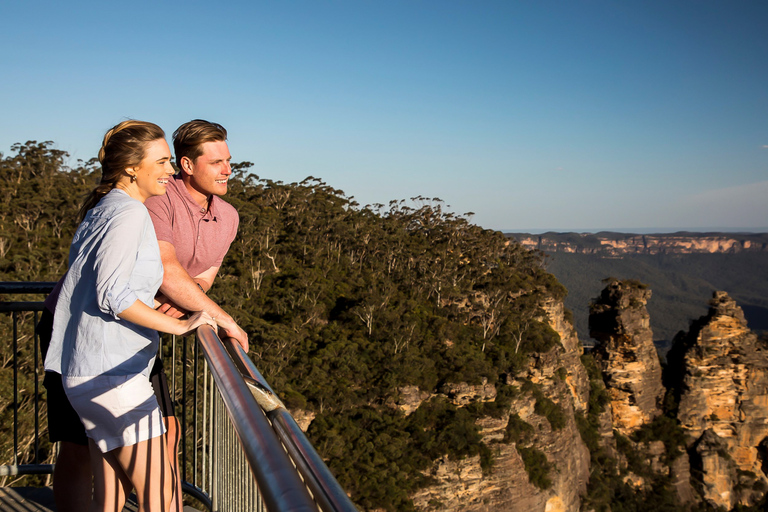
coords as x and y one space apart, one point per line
124 146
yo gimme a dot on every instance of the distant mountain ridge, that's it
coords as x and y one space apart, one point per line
682 269
611 244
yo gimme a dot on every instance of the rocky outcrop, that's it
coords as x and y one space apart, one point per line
460 485
721 386
716 469
723 403
303 418
576 377
559 377
462 394
409 398
626 354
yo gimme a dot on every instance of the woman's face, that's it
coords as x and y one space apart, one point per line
153 172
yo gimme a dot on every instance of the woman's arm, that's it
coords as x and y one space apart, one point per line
143 315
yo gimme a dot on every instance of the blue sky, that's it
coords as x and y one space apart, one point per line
533 115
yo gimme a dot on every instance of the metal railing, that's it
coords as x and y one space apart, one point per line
241 450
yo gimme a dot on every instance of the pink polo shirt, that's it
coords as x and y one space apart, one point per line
201 237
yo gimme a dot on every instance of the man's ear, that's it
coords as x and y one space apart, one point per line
186 165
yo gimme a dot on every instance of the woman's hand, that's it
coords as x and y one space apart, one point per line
143 315
195 320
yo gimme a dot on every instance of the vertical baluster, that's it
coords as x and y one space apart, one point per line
36 366
173 367
184 407
206 442
195 372
15 391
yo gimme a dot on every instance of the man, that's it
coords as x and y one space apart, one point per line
195 228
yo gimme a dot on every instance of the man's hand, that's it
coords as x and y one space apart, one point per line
166 306
232 330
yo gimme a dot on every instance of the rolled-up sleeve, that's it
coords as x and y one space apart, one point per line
115 259
161 213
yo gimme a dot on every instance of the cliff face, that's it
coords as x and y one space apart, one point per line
626 354
614 244
558 375
576 378
723 403
719 372
460 485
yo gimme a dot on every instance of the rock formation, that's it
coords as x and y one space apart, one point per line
576 377
626 354
723 403
720 371
558 375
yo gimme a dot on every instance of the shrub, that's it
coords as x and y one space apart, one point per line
537 466
550 410
518 431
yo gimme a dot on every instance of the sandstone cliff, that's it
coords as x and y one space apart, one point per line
557 378
617 244
626 354
719 371
576 378
723 403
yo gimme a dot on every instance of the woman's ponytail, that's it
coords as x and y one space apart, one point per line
124 146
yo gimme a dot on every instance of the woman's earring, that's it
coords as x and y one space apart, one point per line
133 178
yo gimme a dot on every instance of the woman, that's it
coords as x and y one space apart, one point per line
105 329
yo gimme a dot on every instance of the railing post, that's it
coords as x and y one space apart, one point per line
318 478
235 428
280 485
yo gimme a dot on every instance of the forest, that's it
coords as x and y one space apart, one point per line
344 305
347 304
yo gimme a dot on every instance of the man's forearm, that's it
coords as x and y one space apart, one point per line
188 293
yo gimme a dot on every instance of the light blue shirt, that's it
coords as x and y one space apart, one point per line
114 260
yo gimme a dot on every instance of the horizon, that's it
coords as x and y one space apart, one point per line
643 231
527 114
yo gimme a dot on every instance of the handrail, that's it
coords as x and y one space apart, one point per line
31 287
321 482
26 469
280 485
27 286
264 427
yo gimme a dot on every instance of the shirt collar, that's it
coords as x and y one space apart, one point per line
212 204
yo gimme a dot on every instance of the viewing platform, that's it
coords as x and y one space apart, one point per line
241 450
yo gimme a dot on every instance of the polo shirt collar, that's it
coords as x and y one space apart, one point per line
212 205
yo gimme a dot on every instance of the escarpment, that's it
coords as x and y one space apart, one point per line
626 354
618 244
723 403
705 442
433 364
576 377
540 462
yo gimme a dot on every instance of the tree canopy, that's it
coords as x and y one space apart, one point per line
345 305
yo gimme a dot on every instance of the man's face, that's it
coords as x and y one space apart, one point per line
211 170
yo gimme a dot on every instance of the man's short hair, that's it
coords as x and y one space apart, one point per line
189 138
